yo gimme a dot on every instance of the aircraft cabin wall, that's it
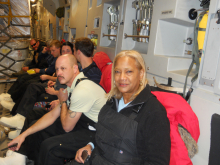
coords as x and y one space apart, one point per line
167 53
44 21
78 18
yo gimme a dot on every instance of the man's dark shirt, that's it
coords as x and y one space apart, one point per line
42 62
51 66
92 72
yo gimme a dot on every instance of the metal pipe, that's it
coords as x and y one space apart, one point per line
137 36
108 35
21 36
21 25
6 16
5 3
14 36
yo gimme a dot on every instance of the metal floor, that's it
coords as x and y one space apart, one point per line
4 112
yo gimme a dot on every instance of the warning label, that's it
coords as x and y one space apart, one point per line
167 12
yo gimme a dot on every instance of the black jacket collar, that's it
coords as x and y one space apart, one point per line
142 98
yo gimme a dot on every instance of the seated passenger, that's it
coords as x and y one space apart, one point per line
83 51
32 94
24 107
38 47
19 87
132 127
66 128
51 61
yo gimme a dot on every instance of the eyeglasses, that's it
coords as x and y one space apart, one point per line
33 45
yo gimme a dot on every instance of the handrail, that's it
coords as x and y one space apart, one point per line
135 36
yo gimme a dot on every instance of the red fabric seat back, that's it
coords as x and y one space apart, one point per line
179 112
105 65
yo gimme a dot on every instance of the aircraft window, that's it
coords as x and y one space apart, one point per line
96 22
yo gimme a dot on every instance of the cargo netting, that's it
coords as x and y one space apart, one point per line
14 35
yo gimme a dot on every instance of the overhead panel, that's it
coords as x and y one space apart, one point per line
50 6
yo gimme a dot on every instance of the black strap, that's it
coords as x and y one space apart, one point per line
69 96
218 21
79 80
135 111
188 94
201 29
85 122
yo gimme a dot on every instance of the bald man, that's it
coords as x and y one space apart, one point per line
66 128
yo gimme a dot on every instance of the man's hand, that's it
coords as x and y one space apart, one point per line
78 156
44 77
62 95
53 104
20 139
50 90
37 70
44 50
25 68
50 83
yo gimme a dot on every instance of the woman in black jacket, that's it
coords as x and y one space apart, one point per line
132 128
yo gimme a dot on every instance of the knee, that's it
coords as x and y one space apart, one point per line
45 146
48 145
31 86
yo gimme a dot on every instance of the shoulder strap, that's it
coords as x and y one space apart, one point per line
79 80
135 111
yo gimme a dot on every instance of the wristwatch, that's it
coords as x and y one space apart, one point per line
62 103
